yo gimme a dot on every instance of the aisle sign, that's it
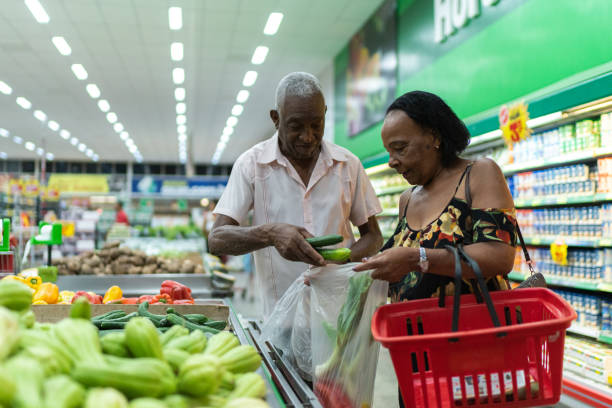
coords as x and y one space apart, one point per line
79 183
558 252
15 186
513 123
31 188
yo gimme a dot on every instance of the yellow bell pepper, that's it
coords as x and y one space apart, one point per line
39 302
65 297
113 294
47 292
33 281
16 278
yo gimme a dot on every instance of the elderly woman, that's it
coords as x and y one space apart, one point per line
451 201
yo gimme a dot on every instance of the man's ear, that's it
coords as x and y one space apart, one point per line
275 117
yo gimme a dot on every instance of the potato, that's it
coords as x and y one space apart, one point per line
149 269
110 245
199 269
151 260
187 267
135 270
137 260
86 269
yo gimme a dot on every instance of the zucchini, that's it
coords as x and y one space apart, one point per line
338 254
174 319
216 324
193 317
143 310
113 314
109 325
325 240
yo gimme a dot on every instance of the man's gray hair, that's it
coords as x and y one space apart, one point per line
297 84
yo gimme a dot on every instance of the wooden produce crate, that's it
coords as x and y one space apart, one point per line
213 309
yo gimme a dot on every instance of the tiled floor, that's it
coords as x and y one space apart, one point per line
385 389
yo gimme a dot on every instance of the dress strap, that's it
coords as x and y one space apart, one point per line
407 202
468 195
466 173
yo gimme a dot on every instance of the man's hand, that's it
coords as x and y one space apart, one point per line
391 265
290 241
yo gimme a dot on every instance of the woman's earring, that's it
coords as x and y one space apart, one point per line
437 147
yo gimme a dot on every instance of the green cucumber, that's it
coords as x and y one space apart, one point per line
338 254
175 319
216 324
143 310
113 314
325 240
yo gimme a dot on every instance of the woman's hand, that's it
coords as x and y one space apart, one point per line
391 265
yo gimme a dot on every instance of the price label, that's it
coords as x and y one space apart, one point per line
562 200
558 252
536 241
513 123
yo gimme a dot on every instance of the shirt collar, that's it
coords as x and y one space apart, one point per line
271 152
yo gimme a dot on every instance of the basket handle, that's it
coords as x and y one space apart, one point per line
459 252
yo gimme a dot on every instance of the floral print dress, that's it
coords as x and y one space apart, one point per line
457 224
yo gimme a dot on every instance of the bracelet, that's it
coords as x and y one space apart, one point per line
423 261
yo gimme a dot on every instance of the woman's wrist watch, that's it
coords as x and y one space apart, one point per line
423 261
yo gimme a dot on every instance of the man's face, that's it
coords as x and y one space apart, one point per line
300 125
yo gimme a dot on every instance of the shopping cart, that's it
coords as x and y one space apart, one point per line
444 358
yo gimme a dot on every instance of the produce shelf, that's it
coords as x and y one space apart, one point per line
571 200
567 282
391 190
590 392
585 242
583 155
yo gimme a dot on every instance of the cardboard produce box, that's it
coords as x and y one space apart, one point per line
213 309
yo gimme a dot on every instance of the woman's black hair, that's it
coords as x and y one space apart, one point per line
431 113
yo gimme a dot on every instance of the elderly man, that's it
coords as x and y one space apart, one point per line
298 186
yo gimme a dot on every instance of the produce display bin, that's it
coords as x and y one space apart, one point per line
285 387
202 286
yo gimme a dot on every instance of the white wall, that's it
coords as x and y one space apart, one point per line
326 77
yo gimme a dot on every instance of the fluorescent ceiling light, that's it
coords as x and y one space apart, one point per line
260 54
182 137
176 51
5 89
175 18
221 145
237 110
181 129
181 119
89 153
118 127
61 45
30 146
4 132
124 135
273 23
129 142
228 130
249 78
50 156
93 90
37 11
225 138
53 125
82 147
178 75
111 117
133 149
95 157
17 139
40 151
74 141
242 96
231 121
23 102
79 71
3 155
179 94
103 105
65 134
40 115
181 108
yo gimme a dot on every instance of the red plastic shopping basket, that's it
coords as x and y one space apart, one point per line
517 364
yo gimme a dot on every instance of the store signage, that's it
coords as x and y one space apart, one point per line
179 187
15 186
79 183
31 188
513 123
451 16
558 252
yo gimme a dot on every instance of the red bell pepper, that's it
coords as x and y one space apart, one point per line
129 301
145 298
183 302
90 296
161 298
175 290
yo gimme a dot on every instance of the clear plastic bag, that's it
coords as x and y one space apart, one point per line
324 329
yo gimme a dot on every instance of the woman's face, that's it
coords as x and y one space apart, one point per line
413 151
